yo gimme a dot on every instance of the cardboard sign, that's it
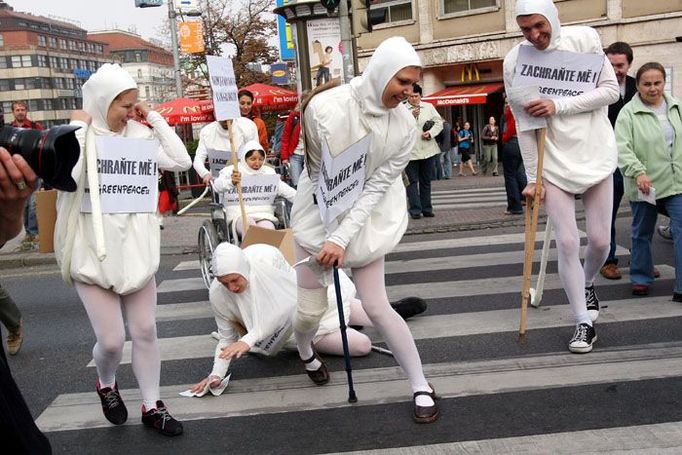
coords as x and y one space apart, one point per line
518 98
217 160
224 86
341 180
256 190
46 213
282 239
558 74
128 175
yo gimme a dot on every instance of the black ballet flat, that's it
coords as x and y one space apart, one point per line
321 375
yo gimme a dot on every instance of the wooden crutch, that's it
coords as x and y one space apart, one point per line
532 212
235 167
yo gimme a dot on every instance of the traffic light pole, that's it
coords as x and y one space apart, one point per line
346 42
176 52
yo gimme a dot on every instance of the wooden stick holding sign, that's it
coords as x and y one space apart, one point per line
226 107
235 167
532 212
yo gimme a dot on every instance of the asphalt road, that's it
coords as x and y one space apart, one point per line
498 395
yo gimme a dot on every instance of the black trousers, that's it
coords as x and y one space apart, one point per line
514 174
420 173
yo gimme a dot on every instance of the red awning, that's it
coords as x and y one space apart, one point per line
463 94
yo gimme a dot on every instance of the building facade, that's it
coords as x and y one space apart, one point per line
44 62
149 64
462 44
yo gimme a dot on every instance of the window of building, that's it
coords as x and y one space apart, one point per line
3 61
147 92
461 6
52 41
69 83
53 62
138 57
80 45
58 83
139 74
42 61
2 40
397 10
4 85
7 106
73 63
63 63
42 41
21 61
48 105
62 43
19 84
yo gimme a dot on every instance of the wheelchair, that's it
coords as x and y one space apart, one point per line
217 230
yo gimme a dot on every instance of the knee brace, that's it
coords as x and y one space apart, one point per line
312 303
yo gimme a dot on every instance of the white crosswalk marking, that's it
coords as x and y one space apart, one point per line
379 385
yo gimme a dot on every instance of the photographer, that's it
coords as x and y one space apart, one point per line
18 432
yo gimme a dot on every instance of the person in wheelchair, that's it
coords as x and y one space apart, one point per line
253 297
251 162
214 136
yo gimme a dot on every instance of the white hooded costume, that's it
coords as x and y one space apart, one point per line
214 137
267 305
258 212
342 116
113 251
580 149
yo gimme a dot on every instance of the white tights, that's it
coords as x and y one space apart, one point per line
560 206
239 226
369 281
359 344
106 317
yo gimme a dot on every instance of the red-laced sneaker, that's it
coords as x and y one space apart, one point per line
112 404
160 420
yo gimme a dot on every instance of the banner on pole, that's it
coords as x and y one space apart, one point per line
191 37
224 86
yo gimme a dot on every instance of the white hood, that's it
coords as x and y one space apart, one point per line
547 9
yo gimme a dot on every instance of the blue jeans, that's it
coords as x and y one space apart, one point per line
643 225
446 160
618 191
30 219
295 168
420 173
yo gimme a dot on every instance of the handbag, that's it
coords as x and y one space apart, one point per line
428 125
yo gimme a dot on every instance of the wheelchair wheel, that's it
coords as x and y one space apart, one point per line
208 241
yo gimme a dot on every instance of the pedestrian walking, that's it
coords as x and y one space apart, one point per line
444 140
650 157
620 55
570 165
465 139
292 150
421 169
490 135
376 221
21 120
512 164
109 248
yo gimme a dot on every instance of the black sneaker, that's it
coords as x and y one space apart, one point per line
583 339
409 306
160 420
592 303
112 404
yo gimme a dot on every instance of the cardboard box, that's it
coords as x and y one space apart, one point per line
46 212
282 239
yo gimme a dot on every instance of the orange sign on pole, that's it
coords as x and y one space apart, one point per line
191 37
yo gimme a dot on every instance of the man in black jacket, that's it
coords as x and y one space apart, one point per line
620 56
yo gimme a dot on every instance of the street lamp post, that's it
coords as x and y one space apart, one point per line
175 45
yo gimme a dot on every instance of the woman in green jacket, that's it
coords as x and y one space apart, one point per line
649 136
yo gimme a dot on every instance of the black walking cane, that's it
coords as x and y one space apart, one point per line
352 398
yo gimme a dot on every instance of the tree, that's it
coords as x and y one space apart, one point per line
239 29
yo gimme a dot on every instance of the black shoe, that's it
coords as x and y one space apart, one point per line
677 297
428 214
321 375
415 216
592 303
160 420
409 306
112 404
426 414
583 339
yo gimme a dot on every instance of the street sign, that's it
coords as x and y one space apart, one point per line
82 73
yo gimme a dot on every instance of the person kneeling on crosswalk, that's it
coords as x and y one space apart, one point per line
253 298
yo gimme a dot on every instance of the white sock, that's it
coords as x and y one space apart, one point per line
149 405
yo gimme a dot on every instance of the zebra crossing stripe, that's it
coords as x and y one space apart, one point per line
387 385
457 325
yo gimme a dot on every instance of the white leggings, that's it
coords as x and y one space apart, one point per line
359 344
560 206
239 226
104 310
370 283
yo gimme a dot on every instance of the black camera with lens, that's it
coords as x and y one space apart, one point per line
51 153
